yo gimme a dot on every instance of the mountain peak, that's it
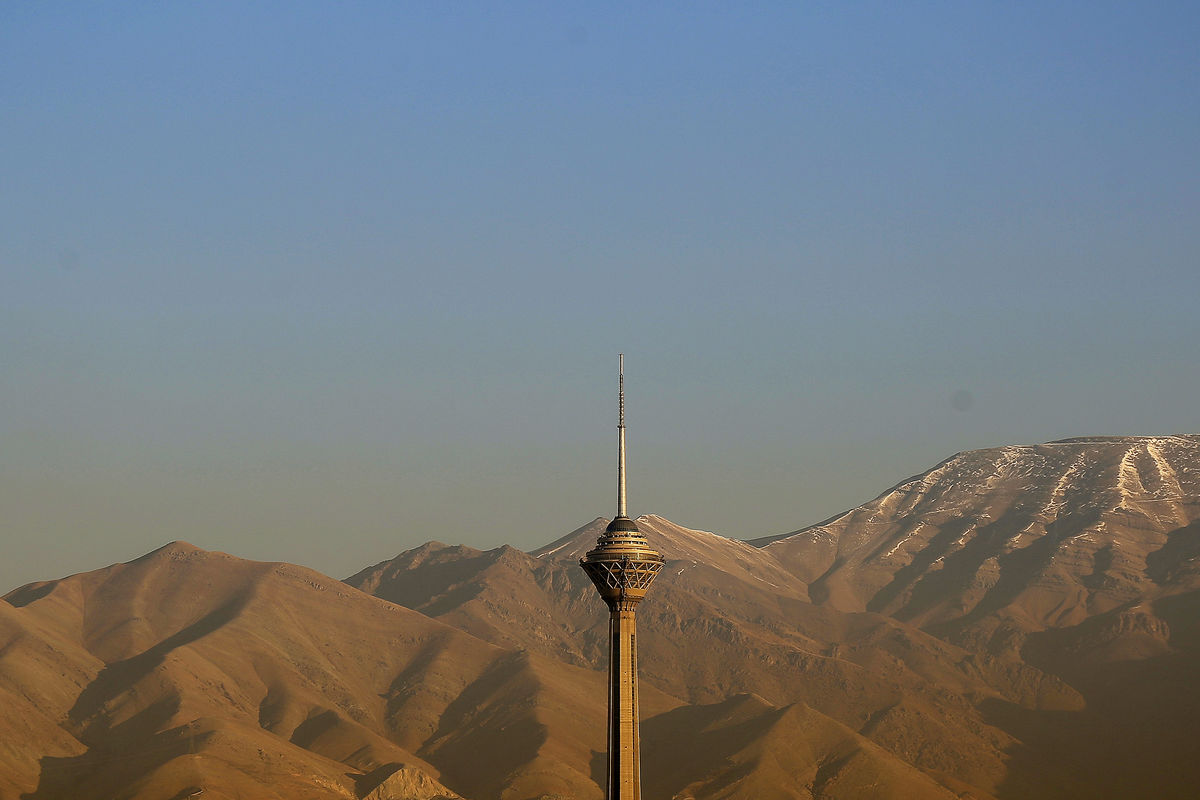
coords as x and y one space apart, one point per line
175 550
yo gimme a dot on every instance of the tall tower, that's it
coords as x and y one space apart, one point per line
622 566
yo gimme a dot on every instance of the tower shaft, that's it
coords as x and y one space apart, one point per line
624 738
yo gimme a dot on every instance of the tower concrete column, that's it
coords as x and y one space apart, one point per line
624 737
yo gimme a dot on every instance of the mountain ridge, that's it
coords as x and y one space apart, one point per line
988 628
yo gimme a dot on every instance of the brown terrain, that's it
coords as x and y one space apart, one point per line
1019 622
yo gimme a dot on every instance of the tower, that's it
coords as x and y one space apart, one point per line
622 566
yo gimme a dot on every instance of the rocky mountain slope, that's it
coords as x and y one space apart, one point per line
993 544
1015 623
1080 557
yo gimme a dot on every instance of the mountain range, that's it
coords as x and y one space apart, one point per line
1017 622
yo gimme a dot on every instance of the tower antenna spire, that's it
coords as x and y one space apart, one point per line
621 507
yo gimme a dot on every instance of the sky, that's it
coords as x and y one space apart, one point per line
318 282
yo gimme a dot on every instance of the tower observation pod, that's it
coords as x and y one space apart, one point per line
622 566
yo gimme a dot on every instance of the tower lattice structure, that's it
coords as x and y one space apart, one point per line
622 566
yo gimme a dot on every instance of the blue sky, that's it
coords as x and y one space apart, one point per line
318 282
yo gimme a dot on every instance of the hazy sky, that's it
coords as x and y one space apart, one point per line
317 282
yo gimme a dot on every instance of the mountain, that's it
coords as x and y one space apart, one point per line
1019 622
991 545
188 669
1079 557
724 619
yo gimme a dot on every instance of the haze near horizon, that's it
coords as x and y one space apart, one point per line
317 283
